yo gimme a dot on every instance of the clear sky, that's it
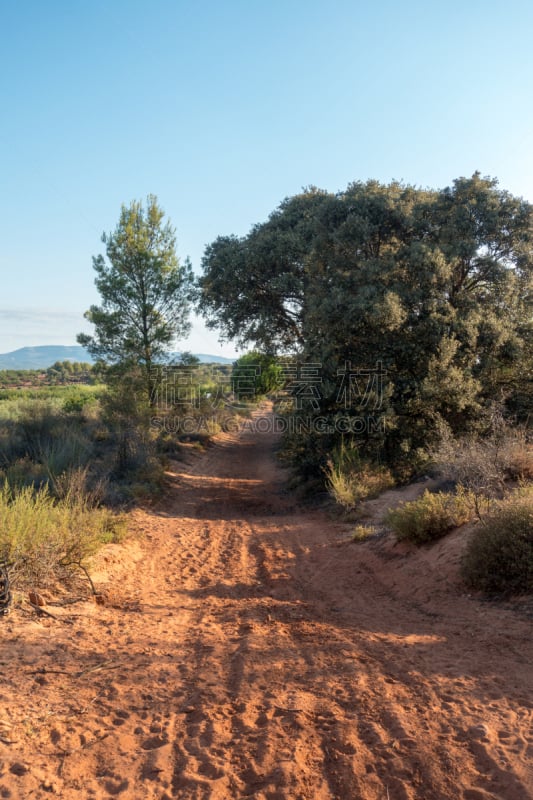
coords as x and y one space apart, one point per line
224 107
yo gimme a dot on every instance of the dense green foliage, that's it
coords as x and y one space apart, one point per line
430 289
253 289
70 372
145 296
255 375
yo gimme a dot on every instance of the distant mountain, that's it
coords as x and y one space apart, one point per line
205 358
43 357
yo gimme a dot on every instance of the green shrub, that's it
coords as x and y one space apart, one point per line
499 556
67 452
76 404
431 516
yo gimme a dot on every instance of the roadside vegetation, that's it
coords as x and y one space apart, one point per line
432 516
406 311
499 556
492 477
407 314
45 539
74 456
350 479
78 443
392 324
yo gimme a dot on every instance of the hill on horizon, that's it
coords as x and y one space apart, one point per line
44 356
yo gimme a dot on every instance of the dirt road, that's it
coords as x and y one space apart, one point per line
247 649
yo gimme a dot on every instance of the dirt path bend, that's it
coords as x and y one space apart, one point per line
247 650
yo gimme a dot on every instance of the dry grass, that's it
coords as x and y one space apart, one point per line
45 540
350 480
362 532
486 465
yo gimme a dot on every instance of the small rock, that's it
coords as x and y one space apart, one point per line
99 599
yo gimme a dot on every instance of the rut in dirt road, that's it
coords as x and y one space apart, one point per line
255 653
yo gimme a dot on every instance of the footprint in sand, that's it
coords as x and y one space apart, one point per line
153 742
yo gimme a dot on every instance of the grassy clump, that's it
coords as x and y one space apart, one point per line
431 516
499 556
362 532
45 539
350 479
350 488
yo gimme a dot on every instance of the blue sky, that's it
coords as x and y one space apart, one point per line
224 108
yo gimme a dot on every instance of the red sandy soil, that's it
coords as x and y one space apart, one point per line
247 649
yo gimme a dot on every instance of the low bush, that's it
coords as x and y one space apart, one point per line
499 556
431 516
46 540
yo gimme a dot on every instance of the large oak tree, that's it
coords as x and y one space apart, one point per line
434 285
